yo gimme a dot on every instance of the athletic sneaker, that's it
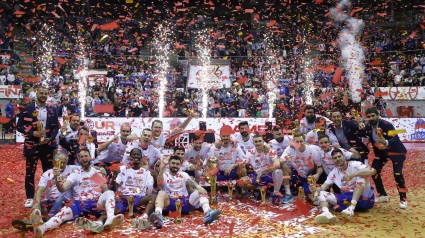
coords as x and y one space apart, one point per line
403 204
382 199
87 224
287 198
157 220
36 222
29 203
347 213
113 221
325 217
276 199
22 225
211 216
141 224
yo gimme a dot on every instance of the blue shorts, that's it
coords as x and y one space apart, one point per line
222 177
84 208
297 181
122 205
186 206
265 179
363 203
190 173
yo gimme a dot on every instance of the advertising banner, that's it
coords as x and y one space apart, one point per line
215 75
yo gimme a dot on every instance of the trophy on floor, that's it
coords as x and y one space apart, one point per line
40 129
65 125
230 187
212 170
130 201
179 210
301 193
312 181
263 192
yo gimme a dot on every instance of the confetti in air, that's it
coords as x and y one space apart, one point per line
162 45
351 50
46 58
203 50
272 73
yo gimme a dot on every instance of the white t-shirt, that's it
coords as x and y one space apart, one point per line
48 181
70 135
306 127
2 79
134 182
313 138
227 156
303 162
160 141
260 161
336 176
175 186
327 161
83 186
245 145
279 147
114 153
191 154
151 154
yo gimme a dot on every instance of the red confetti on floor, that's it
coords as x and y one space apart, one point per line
240 218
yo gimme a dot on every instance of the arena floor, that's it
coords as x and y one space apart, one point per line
243 218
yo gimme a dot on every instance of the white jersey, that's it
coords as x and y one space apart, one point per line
191 154
306 127
303 162
336 176
134 182
71 134
114 153
151 154
279 147
328 163
260 161
83 185
227 156
245 145
48 181
160 142
313 138
175 186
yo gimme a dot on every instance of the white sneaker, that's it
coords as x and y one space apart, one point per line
382 199
29 203
325 217
37 223
403 204
348 213
141 224
86 224
113 221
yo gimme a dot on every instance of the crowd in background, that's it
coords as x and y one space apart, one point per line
271 40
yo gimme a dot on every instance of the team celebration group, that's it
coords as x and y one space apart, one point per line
324 159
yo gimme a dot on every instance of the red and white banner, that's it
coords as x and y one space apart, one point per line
94 76
215 75
401 93
10 91
108 127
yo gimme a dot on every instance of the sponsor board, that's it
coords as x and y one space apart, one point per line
215 75
10 91
107 127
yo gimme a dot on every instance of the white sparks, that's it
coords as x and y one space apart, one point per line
46 58
162 44
83 82
308 77
203 49
271 74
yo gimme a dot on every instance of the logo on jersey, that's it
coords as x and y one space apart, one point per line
419 130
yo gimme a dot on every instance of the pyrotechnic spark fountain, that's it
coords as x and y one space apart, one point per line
162 43
308 77
203 48
83 82
272 73
46 58
351 50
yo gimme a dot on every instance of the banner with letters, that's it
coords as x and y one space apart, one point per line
107 127
401 93
94 76
215 76
10 91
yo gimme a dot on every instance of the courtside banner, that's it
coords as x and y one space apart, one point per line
10 91
108 127
215 75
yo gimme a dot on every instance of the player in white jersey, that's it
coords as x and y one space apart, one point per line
199 150
229 156
357 193
135 181
301 157
91 196
113 150
321 129
71 131
177 185
159 138
307 122
150 154
244 139
265 168
280 141
53 199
